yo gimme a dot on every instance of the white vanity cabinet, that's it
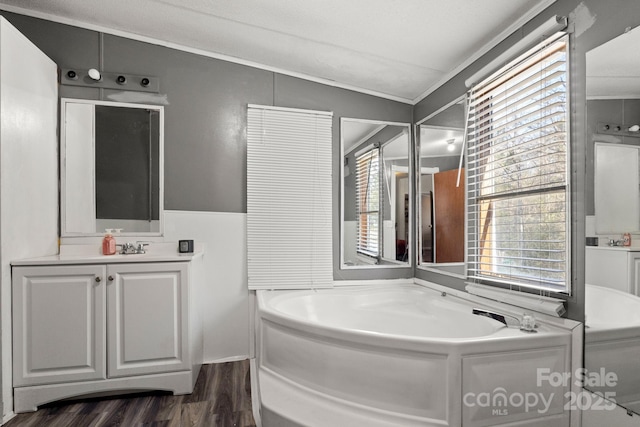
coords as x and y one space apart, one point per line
616 267
89 328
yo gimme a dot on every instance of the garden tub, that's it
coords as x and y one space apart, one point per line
400 355
612 343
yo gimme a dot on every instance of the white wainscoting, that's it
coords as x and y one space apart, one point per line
350 237
224 296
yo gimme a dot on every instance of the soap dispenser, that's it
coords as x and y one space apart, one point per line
108 243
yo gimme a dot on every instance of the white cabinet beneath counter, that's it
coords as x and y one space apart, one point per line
613 267
91 328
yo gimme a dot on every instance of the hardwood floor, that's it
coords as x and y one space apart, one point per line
222 397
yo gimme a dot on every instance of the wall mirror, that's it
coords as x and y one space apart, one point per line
111 166
441 208
612 304
376 194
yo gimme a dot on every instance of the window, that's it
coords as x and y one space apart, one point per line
518 185
289 198
368 203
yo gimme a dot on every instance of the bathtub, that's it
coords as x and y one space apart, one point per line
402 355
612 341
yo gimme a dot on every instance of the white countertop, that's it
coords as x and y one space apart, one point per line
616 248
90 254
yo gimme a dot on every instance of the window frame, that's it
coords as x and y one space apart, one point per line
473 228
373 153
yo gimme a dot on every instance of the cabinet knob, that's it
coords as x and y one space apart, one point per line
98 279
111 278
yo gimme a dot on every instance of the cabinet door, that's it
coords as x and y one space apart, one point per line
607 267
147 318
634 273
58 324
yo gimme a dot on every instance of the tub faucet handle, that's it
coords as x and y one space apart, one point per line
528 323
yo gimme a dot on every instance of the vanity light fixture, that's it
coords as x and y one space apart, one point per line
106 80
629 130
450 146
95 74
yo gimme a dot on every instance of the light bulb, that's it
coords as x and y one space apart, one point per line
450 146
94 74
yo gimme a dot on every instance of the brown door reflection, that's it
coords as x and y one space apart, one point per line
449 216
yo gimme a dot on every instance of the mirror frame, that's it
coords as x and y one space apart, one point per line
434 266
410 151
64 233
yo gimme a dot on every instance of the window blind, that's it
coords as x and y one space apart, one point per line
289 198
517 181
368 203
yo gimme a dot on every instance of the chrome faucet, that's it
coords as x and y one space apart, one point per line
130 248
616 242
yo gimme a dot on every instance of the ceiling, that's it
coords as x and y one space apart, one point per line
397 49
441 128
355 132
613 69
435 142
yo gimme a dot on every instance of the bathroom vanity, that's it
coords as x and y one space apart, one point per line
87 324
615 267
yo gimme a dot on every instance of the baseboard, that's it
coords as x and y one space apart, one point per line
7 417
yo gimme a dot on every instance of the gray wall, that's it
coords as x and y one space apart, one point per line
621 111
593 23
452 117
445 163
205 113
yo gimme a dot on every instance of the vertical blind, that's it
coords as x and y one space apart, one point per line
517 183
368 203
289 198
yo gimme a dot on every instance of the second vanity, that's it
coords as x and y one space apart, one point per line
85 324
615 267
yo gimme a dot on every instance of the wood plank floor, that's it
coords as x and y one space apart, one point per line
222 397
